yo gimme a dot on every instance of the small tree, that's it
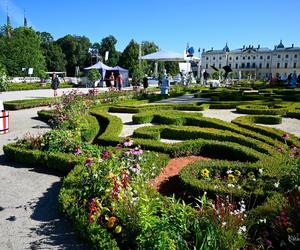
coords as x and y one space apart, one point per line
137 74
3 79
215 75
93 76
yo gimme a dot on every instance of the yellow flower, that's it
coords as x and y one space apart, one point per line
118 229
205 172
251 175
231 177
237 173
289 230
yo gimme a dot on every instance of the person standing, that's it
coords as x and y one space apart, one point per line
112 79
55 83
145 83
119 81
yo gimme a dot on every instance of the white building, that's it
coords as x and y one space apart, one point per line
256 62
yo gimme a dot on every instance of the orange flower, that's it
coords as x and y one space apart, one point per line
111 222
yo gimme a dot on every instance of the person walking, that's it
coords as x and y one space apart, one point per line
119 81
55 83
145 83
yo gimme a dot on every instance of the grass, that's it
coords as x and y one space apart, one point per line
34 85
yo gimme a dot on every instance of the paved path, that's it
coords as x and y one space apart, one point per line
39 93
29 218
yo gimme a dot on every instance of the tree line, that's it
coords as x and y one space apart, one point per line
23 47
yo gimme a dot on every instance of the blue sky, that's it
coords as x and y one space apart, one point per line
168 23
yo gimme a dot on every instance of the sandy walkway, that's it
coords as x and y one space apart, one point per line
29 218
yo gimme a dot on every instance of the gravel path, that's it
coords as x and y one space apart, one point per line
29 218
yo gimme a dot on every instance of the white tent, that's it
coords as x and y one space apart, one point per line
163 55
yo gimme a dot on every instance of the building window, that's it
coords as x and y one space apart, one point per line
278 65
268 57
220 58
295 65
279 56
295 56
206 66
248 65
249 57
253 57
220 66
253 65
214 65
286 65
237 58
286 56
244 58
230 58
260 65
230 65
214 58
268 65
236 66
243 65
261 57
206 58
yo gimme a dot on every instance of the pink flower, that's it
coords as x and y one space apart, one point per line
128 142
88 162
280 149
285 136
77 151
105 155
136 151
119 145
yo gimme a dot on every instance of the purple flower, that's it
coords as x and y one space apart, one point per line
135 168
128 142
88 162
119 145
105 155
77 151
136 151
268 243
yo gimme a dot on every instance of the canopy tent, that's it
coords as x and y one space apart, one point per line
105 71
122 71
101 67
168 56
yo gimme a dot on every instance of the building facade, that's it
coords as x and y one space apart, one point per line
254 62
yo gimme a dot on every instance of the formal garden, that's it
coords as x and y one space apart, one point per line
242 191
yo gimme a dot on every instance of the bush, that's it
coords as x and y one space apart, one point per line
261 110
30 103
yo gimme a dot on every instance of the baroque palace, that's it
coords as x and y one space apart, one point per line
257 62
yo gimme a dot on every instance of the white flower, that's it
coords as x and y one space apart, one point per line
276 184
230 185
260 170
262 221
224 224
242 229
229 171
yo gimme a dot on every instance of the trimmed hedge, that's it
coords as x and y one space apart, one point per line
91 130
191 133
29 103
263 119
189 119
110 127
208 148
293 114
262 186
261 110
46 115
54 161
275 134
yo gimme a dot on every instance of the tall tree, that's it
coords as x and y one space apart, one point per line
172 68
109 44
129 58
76 50
54 57
22 50
148 48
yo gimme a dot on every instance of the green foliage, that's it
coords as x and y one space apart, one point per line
54 57
28 103
22 50
129 58
94 75
261 110
109 44
76 50
3 84
31 86
172 68
138 74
